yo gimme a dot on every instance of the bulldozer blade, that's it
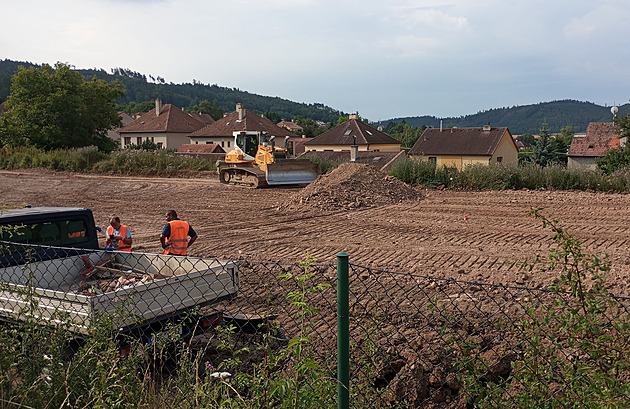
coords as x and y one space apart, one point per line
292 172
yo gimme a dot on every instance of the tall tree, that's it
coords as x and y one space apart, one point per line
547 150
566 134
623 125
217 110
618 158
54 108
203 107
273 116
527 138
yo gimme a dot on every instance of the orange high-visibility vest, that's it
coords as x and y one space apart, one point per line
177 242
123 233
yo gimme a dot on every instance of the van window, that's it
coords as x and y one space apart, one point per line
55 233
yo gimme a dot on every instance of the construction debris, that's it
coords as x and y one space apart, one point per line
107 276
352 186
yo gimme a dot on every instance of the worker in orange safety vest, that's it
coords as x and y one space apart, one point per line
118 235
174 237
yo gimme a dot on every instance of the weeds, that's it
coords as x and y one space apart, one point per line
508 176
46 367
91 160
572 346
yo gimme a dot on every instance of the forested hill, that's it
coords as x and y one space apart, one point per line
140 89
526 118
520 119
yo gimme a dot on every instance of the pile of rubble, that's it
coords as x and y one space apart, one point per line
352 186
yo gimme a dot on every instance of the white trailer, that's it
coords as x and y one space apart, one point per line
48 291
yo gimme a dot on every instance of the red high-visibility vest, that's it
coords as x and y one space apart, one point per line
123 233
177 242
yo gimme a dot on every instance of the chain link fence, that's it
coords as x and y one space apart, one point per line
235 332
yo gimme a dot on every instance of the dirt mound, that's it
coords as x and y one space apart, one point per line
352 186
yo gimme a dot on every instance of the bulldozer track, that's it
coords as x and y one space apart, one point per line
475 236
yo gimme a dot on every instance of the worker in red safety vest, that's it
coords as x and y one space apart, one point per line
174 237
118 235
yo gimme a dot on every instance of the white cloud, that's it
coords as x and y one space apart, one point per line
393 58
604 21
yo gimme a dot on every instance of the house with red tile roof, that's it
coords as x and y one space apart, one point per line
299 147
166 125
459 147
221 132
291 126
353 133
205 118
599 138
125 120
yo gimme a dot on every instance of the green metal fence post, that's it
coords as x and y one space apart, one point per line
343 332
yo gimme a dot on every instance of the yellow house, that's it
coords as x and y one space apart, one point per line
353 133
460 147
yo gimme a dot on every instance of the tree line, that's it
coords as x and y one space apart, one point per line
58 108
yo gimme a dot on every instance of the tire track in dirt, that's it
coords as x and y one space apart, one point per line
427 237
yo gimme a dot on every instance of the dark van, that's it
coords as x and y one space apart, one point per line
68 227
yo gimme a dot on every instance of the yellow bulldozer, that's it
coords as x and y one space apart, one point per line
256 161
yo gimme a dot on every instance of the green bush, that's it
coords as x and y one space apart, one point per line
510 176
415 172
90 159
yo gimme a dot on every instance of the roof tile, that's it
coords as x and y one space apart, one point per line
458 141
250 122
345 134
600 137
171 119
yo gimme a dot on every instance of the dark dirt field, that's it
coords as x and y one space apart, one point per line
381 223
469 236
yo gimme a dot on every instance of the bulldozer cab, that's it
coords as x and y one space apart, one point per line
247 142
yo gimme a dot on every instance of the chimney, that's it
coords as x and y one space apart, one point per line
158 106
353 116
440 126
354 149
354 153
240 110
486 127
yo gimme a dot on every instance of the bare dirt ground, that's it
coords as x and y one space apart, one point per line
469 236
381 223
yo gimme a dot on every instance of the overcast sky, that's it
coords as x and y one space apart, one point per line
383 59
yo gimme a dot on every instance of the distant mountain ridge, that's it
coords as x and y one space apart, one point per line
519 119
526 118
140 89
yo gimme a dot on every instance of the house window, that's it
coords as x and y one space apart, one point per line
228 144
223 144
499 159
152 140
433 159
160 145
139 140
127 140
196 142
